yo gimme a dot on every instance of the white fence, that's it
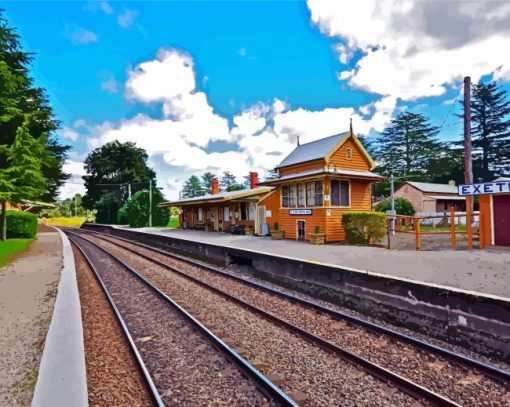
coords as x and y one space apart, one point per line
440 216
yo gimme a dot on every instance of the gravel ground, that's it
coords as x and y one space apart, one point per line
113 376
186 369
304 371
453 381
28 287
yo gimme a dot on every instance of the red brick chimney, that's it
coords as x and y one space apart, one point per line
215 187
254 179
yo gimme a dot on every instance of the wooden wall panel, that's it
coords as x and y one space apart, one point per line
272 203
359 162
289 222
312 165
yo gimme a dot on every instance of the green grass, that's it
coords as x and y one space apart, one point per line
458 228
173 222
10 247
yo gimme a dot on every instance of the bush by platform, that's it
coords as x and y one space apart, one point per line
137 210
75 221
11 247
364 227
21 225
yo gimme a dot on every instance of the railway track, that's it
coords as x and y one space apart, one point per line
456 379
182 362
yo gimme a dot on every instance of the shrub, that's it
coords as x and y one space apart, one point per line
364 227
317 229
276 226
137 209
402 205
21 224
65 221
122 217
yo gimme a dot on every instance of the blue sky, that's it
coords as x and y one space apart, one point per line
288 65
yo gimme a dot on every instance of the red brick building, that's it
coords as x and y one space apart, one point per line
427 197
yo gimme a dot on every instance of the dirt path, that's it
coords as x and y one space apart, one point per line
27 293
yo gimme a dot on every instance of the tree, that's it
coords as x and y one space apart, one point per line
207 180
136 209
272 173
490 118
406 146
227 180
110 169
23 104
22 179
192 188
402 206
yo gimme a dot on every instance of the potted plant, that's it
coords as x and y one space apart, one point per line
249 231
276 233
317 237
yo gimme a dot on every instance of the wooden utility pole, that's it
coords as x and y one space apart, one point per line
468 164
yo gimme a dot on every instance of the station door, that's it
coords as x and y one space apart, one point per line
501 210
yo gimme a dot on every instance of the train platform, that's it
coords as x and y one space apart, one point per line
480 271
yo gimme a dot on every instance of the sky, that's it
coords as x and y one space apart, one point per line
231 86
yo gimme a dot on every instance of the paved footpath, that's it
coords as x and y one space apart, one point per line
28 287
486 271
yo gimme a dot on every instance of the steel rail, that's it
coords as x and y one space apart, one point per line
405 385
148 379
268 388
494 372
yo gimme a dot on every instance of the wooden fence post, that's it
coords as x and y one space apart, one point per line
417 231
453 239
469 226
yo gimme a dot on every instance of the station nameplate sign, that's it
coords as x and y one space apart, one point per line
300 211
484 188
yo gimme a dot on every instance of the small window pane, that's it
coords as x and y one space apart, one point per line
292 196
310 194
318 193
335 193
285 196
300 195
344 193
226 213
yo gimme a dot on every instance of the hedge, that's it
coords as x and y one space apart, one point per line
364 227
21 224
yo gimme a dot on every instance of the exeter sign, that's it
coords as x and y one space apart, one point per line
499 187
300 211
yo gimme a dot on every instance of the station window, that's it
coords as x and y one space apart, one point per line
200 214
292 196
251 212
318 193
348 153
310 194
226 213
285 196
340 193
300 195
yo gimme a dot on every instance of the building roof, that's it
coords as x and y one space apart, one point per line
434 188
502 179
220 197
314 150
329 171
446 198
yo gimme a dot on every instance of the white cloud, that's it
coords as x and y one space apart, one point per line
81 36
73 185
103 6
110 85
127 18
413 49
258 138
68 133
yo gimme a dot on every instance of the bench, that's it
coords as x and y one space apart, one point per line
236 229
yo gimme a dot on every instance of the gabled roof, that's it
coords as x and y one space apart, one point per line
220 197
314 150
434 188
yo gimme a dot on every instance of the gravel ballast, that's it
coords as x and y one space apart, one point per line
185 368
303 370
464 386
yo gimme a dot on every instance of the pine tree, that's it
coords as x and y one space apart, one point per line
227 181
192 188
406 146
490 129
23 104
23 178
207 180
